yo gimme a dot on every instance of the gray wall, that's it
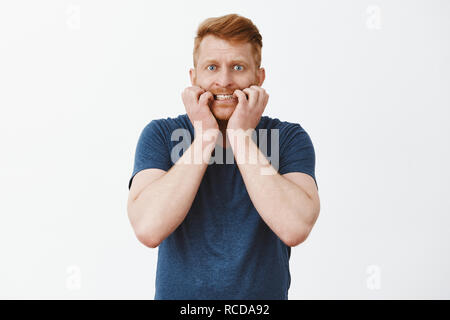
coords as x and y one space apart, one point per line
368 80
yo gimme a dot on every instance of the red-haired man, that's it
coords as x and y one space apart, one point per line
224 228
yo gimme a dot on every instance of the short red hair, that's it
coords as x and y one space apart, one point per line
231 27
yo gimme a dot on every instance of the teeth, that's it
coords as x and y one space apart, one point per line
223 96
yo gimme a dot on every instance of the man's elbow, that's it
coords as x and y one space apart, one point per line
302 233
296 239
143 232
299 235
151 244
145 238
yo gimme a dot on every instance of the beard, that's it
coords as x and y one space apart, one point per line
222 110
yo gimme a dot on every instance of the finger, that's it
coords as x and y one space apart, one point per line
260 90
262 94
192 93
186 95
205 98
199 94
266 99
252 95
196 88
240 95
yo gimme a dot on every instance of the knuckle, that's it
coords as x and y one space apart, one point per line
193 89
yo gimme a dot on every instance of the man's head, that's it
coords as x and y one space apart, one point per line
227 56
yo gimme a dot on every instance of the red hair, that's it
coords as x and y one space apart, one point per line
231 27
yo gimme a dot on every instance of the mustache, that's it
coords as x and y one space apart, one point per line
227 91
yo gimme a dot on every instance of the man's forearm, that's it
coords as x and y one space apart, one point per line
162 206
283 205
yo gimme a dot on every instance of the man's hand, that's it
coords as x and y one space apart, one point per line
196 101
248 112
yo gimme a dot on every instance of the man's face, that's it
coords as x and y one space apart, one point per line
223 67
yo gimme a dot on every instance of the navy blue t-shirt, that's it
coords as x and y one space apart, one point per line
223 249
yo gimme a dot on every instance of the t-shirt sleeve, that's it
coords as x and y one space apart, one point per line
152 150
297 152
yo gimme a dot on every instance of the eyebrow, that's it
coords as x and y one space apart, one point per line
238 60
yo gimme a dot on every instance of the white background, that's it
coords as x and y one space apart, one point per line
368 80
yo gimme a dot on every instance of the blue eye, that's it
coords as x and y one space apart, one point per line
211 66
239 67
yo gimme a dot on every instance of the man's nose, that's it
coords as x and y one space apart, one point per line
224 78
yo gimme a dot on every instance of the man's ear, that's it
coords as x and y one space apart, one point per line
261 74
192 75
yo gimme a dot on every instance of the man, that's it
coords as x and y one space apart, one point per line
224 230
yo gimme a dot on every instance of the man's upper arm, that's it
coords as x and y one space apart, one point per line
152 151
307 184
141 180
297 162
297 155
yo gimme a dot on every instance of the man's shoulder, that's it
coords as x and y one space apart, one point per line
267 122
169 124
288 132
